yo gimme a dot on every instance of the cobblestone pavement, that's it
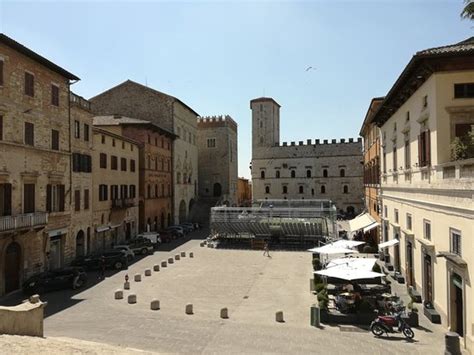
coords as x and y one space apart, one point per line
252 286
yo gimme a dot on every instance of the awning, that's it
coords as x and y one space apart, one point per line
349 274
372 226
102 229
390 243
353 263
56 232
331 249
360 222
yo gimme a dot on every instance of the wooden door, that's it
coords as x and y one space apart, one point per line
12 267
428 284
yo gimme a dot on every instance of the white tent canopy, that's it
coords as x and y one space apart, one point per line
349 273
352 263
389 243
361 221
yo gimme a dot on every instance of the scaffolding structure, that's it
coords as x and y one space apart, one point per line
295 222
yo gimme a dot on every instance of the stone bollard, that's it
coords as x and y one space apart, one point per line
126 285
279 317
138 277
224 313
176 257
164 264
34 299
132 298
156 267
451 342
191 255
155 305
183 254
147 272
170 260
202 244
189 308
118 294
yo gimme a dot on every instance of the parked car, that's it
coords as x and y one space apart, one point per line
114 259
189 225
176 230
141 245
167 237
59 279
126 249
153 237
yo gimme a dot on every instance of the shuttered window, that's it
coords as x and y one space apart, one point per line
55 198
54 139
54 95
77 200
103 161
86 132
86 199
6 200
29 133
1 127
103 193
424 148
123 164
113 162
29 84
132 165
29 198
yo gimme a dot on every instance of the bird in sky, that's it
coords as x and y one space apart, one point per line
310 68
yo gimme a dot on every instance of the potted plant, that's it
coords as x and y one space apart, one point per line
316 264
323 301
412 314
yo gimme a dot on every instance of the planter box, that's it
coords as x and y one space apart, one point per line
411 319
432 315
350 318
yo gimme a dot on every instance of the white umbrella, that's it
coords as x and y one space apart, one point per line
330 249
348 273
353 263
343 243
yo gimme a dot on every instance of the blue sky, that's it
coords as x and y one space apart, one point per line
217 56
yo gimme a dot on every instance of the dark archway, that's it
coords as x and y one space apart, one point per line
191 204
182 211
217 190
12 267
80 246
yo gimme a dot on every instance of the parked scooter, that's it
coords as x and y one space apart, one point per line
391 324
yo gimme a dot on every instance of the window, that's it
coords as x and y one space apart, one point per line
123 164
325 173
394 156
103 161
81 163
103 139
345 189
407 152
267 189
54 95
29 133
54 139
162 190
148 160
113 142
132 191
123 145
149 191
463 91
156 190
156 141
1 72
396 215
342 173
293 173
77 129
455 241
55 198
211 142
285 189
103 193
425 101
86 132
149 139
1 125
277 174
29 198
384 160
178 178
262 174
426 229
301 189
409 222
156 163
114 192
308 173
77 200
132 165
323 189
86 199
113 162
29 84
312 192
424 147
407 117
385 211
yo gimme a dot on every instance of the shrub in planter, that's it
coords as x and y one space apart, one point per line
323 299
316 264
319 287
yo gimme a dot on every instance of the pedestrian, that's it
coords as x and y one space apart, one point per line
102 267
266 250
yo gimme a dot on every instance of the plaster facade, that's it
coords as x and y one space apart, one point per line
217 151
303 170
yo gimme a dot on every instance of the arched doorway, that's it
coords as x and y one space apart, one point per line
12 267
217 190
80 250
182 211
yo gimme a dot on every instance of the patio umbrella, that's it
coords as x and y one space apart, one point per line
348 273
347 243
330 249
353 263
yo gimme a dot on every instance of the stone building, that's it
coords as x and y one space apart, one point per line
217 153
115 179
244 192
155 167
138 101
82 229
34 164
427 191
299 170
371 135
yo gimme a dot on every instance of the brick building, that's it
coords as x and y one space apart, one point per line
35 166
244 192
155 166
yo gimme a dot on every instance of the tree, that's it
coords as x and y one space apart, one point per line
468 11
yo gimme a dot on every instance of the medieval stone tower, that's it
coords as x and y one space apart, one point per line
265 123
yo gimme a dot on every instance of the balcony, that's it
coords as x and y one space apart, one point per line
119 203
23 221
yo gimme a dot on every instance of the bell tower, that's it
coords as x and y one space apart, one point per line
265 123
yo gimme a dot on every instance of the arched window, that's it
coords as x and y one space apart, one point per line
345 189
277 174
293 173
262 174
184 179
325 173
323 189
267 189
342 173
285 189
308 173
301 189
